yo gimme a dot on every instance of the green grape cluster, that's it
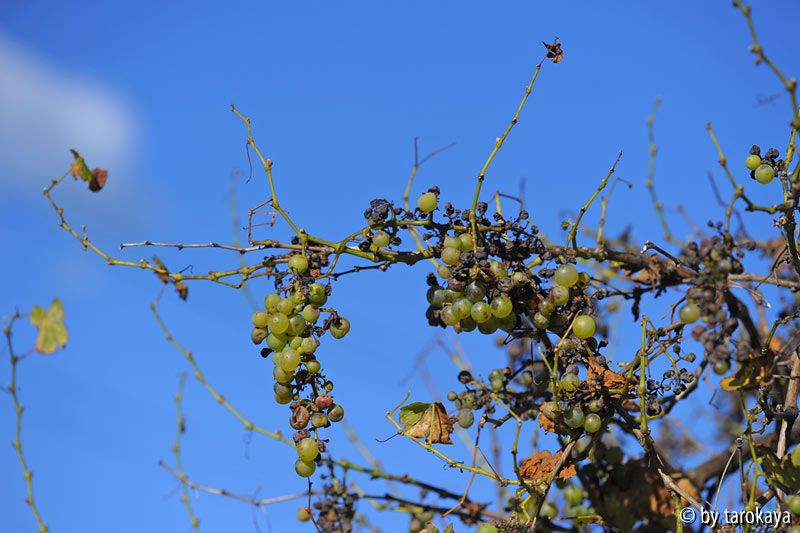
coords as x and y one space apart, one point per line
763 170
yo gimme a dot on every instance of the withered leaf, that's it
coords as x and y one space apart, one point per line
547 424
51 331
427 421
183 290
751 374
163 272
780 473
95 178
540 466
601 378
554 51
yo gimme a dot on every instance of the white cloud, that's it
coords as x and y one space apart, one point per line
45 110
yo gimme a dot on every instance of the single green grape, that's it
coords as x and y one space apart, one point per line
475 291
309 345
519 278
320 420
574 417
466 418
278 323
583 279
796 456
452 242
310 313
584 327
752 162
721 367
689 313
437 298
548 510
303 515
508 323
307 449
481 312
570 382
258 335
271 301
283 393
289 359
281 376
451 296
496 384
276 342
546 307
541 321
793 502
467 324
566 275
260 319
317 294
449 316
450 256
298 297
286 306
467 243
496 373
596 406
298 263
573 495
340 327
592 423
462 308
498 270
296 342
380 238
297 325
304 469
488 327
559 295
336 413
501 306
764 173
427 202
486 527
443 271
312 366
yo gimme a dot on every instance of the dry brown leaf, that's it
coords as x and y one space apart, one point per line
547 424
554 51
599 377
434 425
541 465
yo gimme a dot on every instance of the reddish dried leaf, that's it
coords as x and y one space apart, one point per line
433 425
540 466
603 378
547 424
98 179
554 51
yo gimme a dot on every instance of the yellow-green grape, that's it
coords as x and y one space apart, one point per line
794 503
276 341
570 382
260 319
507 323
297 325
548 510
550 410
312 366
443 271
310 313
595 405
519 278
547 307
289 359
489 327
317 294
380 238
436 297
319 420
467 243
574 417
475 291
449 316
481 312
307 449
573 495
298 263
796 456
462 308
286 306
467 324
559 295
566 275
427 202
486 527
278 323
450 256
501 306
721 367
283 393
298 297
764 173
465 418
583 279
304 469
689 313
452 242
584 327
303 515
498 270
592 423
258 335
309 345
271 301
541 321
295 342
336 413
281 376
340 327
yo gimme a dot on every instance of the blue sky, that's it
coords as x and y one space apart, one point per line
336 94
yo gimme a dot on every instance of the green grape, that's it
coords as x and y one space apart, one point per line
437 298
486 527
466 418
570 382
584 327
309 345
689 313
764 173
488 327
427 202
312 366
304 469
595 406
289 359
283 393
258 335
526 379
276 358
449 316
583 279
303 515
340 327
296 342
592 423
380 238
573 495
286 306
794 503
507 323
298 297
451 296
317 294
443 272
278 323
271 301
298 263
475 291
310 313
498 270
260 319
548 510
541 321
796 456
501 306
496 373
281 376
566 275
467 324
462 308
721 367
450 256
452 242
519 278
451 396
307 450
559 295
481 312
467 243
336 413
574 417
276 342
496 384
297 325
547 307
319 420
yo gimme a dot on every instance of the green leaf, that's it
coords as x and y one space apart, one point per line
780 473
52 333
411 413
